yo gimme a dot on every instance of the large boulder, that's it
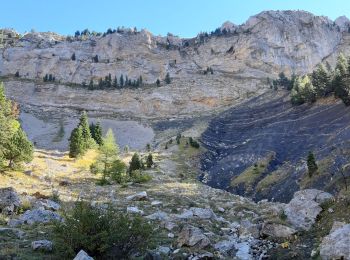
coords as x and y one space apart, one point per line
193 237
82 255
35 216
42 245
277 230
305 206
337 244
9 200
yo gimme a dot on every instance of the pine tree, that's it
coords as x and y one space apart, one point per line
73 56
115 82
135 163
91 84
158 82
97 136
86 135
121 81
321 81
14 145
149 161
341 79
76 143
18 149
167 78
311 164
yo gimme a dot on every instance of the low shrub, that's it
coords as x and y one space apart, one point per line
102 233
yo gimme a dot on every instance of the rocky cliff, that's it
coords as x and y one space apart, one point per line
270 42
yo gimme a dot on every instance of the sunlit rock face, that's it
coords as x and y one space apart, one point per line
270 42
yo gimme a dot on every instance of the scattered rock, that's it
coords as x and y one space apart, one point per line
303 209
49 204
193 237
203 213
35 216
139 196
206 256
186 214
171 235
82 255
337 244
277 230
156 203
134 210
164 250
160 215
220 209
243 251
169 226
9 200
226 247
247 229
43 245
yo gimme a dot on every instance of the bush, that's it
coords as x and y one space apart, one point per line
139 177
118 171
103 234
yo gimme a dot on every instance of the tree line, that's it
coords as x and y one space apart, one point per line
322 82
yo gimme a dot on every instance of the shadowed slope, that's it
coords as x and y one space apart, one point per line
266 141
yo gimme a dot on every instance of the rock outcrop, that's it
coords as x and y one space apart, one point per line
337 244
303 209
9 200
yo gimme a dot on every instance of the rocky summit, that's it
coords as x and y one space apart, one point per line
127 145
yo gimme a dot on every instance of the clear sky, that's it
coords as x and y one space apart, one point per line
181 17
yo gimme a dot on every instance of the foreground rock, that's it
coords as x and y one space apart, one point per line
277 230
82 255
139 196
42 245
9 200
35 216
193 237
303 209
337 244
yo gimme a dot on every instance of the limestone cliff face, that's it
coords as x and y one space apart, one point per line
291 41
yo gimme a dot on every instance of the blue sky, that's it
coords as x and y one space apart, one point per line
181 17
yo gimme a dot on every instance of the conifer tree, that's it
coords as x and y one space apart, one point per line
76 143
14 145
115 82
321 81
149 161
108 153
135 163
121 81
311 164
167 78
84 124
158 82
97 134
18 149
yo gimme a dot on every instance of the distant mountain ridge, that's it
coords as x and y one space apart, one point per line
267 43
